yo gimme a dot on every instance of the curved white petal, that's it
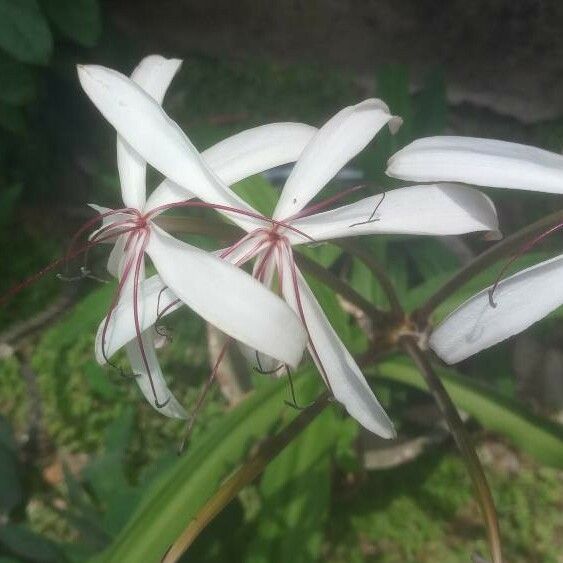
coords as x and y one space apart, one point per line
153 74
258 149
242 251
521 300
242 155
144 125
228 298
116 256
333 359
121 327
339 140
167 405
443 209
483 162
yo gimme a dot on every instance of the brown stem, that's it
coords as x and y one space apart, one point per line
463 442
339 286
242 477
376 269
489 257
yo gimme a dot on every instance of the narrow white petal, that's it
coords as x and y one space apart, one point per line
444 209
153 74
144 376
258 149
344 376
121 328
228 298
483 162
116 256
521 300
144 125
337 142
242 155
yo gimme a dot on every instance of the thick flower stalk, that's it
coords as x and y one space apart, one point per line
516 302
218 291
431 210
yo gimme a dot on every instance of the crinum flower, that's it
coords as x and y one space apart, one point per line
218 291
434 210
512 304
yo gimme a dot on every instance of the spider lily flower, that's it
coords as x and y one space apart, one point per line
516 302
432 210
218 291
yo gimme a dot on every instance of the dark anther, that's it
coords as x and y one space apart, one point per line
491 300
160 405
372 218
163 331
293 403
263 371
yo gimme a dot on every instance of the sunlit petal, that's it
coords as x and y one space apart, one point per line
333 359
337 142
483 162
228 298
521 300
444 209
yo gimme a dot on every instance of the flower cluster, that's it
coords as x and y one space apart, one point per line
272 312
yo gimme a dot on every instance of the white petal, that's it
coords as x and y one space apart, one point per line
258 149
172 408
153 74
337 142
140 120
521 300
121 327
228 298
116 256
483 162
242 251
344 376
444 209
242 155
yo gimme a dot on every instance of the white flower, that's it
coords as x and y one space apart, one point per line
221 293
438 210
517 301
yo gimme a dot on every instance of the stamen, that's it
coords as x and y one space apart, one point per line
525 248
263 371
203 394
293 403
372 218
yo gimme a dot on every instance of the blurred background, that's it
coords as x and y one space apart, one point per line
78 447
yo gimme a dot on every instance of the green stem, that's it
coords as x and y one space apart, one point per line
243 477
463 442
510 244
342 288
377 270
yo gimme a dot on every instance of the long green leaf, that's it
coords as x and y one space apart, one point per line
175 498
295 492
537 436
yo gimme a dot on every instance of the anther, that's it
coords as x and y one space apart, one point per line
373 218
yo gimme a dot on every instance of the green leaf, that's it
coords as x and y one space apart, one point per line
23 542
24 32
295 492
537 436
18 83
79 20
431 106
175 498
259 193
10 487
